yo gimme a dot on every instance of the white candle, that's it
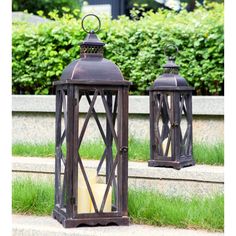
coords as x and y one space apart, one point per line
84 200
98 192
83 205
164 145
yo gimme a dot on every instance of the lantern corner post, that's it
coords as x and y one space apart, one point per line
189 159
76 101
123 103
57 180
189 104
176 139
152 124
71 168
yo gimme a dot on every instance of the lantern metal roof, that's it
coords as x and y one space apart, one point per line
170 79
92 67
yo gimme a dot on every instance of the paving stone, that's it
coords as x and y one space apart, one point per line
47 226
195 180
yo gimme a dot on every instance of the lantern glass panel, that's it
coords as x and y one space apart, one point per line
63 123
60 196
162 127
185 125
104 175
102 198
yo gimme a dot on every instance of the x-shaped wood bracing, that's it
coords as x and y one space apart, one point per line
111 117
163 112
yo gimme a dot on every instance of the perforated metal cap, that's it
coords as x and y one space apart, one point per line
92 66
170 79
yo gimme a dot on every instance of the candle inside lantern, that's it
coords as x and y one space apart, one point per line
84 200
164 145
98 192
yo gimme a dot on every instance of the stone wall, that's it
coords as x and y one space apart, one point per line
34 118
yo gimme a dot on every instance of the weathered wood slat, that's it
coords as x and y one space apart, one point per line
109 118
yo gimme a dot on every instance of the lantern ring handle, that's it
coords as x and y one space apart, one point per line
169 46
91 31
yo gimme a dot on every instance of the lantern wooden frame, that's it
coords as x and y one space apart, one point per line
171 105
91 77
68 96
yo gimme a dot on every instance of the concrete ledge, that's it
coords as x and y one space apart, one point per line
136 169
194 180
202 105
33 118
47 226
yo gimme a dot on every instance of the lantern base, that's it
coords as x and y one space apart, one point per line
174 164
95 221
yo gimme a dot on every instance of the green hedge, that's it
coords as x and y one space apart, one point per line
40 53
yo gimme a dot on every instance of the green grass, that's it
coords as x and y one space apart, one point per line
157 209
33 150
29 197
212 154
209 154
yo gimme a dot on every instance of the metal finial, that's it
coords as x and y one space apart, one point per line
91 31
171 57
170 67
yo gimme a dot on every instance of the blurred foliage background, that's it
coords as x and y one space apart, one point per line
45 5
40 52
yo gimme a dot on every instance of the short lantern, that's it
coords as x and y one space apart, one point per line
83 195
170 119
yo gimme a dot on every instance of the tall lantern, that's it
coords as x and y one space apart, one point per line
171 119
81 198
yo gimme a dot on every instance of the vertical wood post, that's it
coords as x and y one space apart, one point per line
153 124
57 148
176 126
189 151
123 144
70 147
75 151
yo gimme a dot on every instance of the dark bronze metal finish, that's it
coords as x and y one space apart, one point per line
170 119
92 67
91 77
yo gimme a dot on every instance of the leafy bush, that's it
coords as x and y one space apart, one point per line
45 5
41 52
